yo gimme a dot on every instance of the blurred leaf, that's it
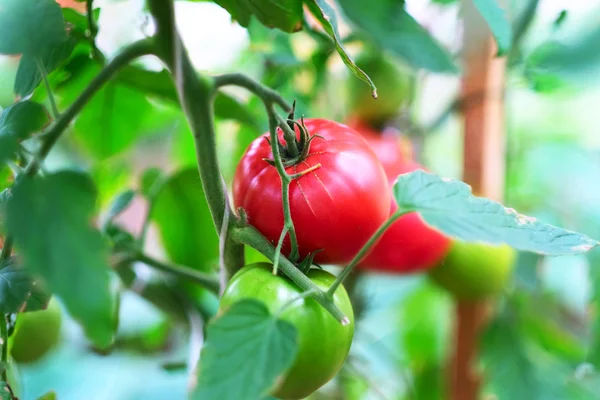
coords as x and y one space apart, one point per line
541 78
526 269
17 122
391 27
151 182
184 222
444 2
326 16
450 206
593 355
29 74
522 21
283 14
497 19
120 204
18 290
30 26
429 382
228 108
515 370
111 177
48 396
49 218
560 19
268 351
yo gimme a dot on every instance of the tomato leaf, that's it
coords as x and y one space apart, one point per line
283 14
17 122
326 16
246 350
49 218
19 291
497 19
184 222
30 26
391 27
450 206
48 396
120 204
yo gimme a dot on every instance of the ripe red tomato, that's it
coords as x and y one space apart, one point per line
336 207
409 245
323 343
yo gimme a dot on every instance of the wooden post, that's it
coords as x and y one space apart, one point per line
483 169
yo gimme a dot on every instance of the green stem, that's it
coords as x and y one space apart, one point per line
7 248
363 251
290 302
4 338
266 94
251 237
196 93
205 280
55 130
53 107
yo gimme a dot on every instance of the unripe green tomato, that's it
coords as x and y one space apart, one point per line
323 343
472 271
395 89
36 333
8 74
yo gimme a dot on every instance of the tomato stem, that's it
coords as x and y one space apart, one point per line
363 251
251 237
303 295
284 232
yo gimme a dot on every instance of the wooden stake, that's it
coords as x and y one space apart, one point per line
483 169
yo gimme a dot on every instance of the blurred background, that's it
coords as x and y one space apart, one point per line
543 344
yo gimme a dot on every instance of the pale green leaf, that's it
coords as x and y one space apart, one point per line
496 16
450 206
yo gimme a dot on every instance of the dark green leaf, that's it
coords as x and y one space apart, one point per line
120 204
50 220
30 26
17 122
283 14
19 291
450 206
391 27
229 370
185 225
23 119
326 16
497 19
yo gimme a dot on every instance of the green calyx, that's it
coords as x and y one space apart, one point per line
295 149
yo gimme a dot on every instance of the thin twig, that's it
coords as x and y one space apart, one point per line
44 74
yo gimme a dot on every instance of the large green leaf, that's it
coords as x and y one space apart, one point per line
450 206
326 16
246 350
391 27
283 14
49 218
496 16
185 225
35 29
115 117
30 26
19 291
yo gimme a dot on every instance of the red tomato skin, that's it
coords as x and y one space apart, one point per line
410 245
336 208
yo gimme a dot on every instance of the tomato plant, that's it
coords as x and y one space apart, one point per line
138 190
323 344
335 207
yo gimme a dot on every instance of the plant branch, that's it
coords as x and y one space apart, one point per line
205 280
196 93
251 237
363 251
55 130
54 108
4 338
266 94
